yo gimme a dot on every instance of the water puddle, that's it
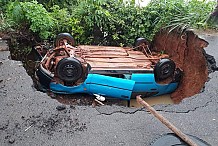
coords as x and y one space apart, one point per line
164 99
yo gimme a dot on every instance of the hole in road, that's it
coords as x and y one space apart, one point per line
28 57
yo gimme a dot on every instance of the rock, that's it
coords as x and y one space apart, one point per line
11 140
72 107
3 46
61 107
211 62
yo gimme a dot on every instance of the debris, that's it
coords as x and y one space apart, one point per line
28 128
61 107
11 140
8 79
72 107
20 64
179 133
78 101
94 104
56 122
3 45
99 102
99 97
211 62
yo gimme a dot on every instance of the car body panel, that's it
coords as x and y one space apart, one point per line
117 87
147 83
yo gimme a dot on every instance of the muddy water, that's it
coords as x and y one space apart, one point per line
164 99
80 99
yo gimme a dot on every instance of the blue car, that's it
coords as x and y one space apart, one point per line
118 72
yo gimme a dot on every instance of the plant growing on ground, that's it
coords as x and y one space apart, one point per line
105 22
174 13
5 24
31 15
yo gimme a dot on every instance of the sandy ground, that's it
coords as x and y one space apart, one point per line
29 117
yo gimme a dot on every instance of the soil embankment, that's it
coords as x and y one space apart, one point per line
186 49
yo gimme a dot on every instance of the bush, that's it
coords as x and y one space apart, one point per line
5 23
31 15
105 22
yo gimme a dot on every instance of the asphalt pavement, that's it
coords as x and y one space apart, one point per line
29 117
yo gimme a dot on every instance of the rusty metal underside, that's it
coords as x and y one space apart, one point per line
116 58
104 59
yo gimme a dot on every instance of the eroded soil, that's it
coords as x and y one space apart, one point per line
187 51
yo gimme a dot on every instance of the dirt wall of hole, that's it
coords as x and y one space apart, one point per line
185 48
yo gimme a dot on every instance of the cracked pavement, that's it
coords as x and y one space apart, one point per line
30 118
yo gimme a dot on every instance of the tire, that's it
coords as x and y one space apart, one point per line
164 69
177 75
172 139
141 41
64 36
69 70
43 78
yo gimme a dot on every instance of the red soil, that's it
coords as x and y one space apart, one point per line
185 48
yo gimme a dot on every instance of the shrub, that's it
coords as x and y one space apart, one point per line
105 22
5 24
31 15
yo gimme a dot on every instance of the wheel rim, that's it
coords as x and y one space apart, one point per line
69 70
166 69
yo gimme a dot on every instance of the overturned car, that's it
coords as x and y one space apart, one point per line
118 72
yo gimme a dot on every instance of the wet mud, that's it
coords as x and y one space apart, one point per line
64 121
59 122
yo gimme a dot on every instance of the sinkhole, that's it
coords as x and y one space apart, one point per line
188 52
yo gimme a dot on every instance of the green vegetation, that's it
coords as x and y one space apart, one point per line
102 22
213 18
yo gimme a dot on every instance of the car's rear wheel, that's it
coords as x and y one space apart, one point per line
141 42
64 37
164 69
69 69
